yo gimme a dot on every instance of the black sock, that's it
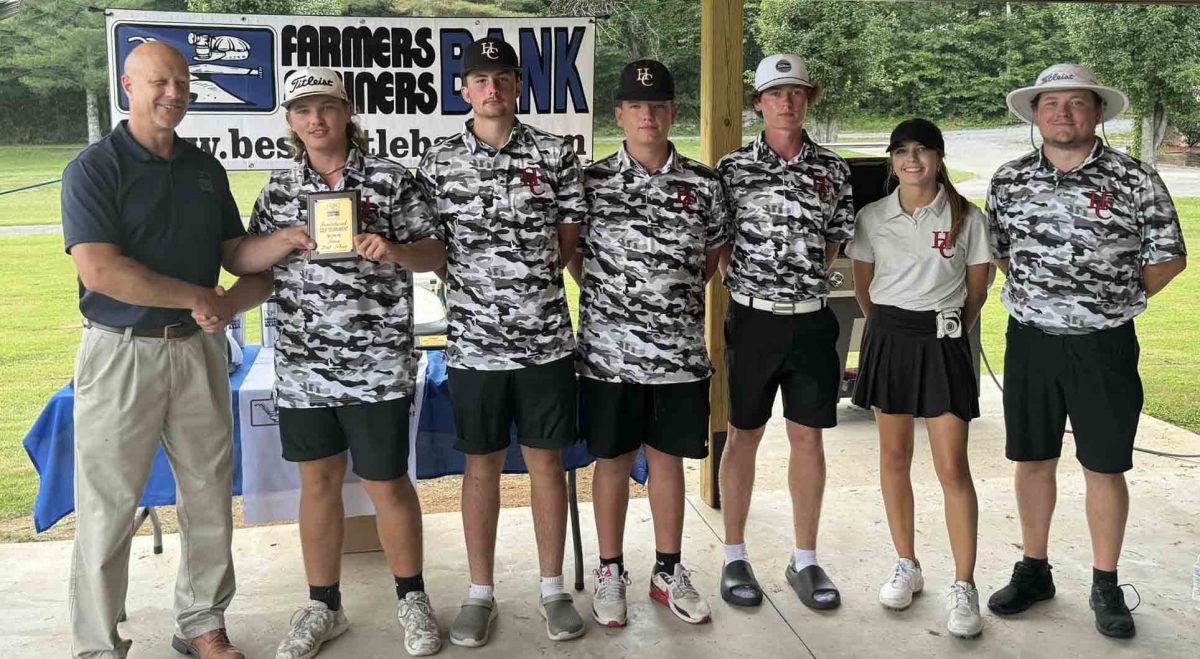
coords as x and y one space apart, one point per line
1100 576
406 585
618 560
331 596
1039 563
665 562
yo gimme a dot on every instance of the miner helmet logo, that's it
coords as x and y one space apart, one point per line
490 50
645 77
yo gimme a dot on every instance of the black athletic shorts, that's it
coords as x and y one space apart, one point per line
618 417
766 352
376 435
540 400
1090 378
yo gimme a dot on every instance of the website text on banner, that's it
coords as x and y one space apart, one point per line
401 73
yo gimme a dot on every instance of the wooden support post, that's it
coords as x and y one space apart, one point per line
720 132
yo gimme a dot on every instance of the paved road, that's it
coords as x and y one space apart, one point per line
34 230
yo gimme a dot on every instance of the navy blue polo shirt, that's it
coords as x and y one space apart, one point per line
169 215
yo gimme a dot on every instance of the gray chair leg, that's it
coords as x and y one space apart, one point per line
140 518
573 506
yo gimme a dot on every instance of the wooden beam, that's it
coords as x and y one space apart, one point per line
720 132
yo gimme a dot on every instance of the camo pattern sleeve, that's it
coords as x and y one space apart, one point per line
498 211
1077 241
345 327
641 305
783 214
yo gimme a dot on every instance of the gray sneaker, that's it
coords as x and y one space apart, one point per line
562 620
421 633
311 627
473 624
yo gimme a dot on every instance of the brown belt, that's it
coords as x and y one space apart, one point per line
173 331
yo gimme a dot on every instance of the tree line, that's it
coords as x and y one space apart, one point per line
942 60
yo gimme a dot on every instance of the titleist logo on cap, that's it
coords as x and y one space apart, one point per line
1056 76
783 66
309 80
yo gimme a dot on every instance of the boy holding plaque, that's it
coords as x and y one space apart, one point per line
510 197
342 232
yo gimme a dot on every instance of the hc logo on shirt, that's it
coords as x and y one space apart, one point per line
645 77
685 196
531 179
1101 203
941 242
367 209
820 184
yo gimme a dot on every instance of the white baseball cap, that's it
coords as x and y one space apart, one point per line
1059 77
783 69
312 81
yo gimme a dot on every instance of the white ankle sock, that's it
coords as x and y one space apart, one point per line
735 553
552 586
802 558
481 592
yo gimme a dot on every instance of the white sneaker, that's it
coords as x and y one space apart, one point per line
962 609
608 596
311 627
421 633
906 580
676 592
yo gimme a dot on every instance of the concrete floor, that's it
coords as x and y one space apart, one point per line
1161 544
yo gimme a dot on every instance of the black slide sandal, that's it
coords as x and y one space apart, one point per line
738 575
814 587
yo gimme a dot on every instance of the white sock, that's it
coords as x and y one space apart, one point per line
481 592
735 553
802 558
552 586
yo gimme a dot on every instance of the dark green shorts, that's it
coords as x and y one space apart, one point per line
618 417
1090 378
540 400
376 434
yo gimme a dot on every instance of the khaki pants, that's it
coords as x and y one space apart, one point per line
131 394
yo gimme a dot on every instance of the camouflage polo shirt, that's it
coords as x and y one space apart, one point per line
784 211
499 211
1076 241
345 327
641 306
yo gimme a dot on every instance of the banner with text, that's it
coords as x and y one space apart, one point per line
403 75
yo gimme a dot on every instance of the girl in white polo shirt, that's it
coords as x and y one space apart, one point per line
921 268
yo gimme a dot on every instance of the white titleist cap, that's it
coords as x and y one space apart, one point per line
784 69
312 81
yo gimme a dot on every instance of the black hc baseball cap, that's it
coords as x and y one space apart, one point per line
489 53
646 80
921 131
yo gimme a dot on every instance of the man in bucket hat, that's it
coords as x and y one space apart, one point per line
1085 234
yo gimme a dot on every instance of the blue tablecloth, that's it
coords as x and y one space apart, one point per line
50 446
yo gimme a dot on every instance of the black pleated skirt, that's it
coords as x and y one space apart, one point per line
903 368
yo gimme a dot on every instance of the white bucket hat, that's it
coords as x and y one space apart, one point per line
1058 77
312 81
785 69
